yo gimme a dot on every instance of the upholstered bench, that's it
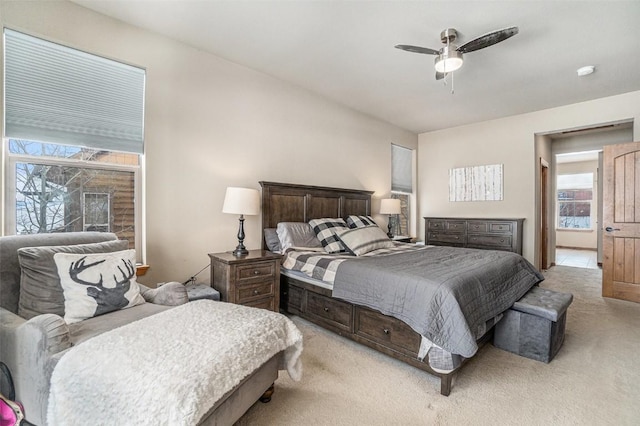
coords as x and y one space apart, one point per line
202 291
534 326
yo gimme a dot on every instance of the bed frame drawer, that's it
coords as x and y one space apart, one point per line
337 313
387 331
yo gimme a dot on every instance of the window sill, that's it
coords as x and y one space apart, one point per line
573 230
141 270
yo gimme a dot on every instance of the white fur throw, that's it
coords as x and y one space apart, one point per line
169 368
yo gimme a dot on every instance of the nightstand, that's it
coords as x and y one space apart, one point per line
251 280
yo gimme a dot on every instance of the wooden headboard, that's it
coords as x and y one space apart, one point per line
287 202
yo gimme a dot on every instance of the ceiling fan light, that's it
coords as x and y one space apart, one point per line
448 61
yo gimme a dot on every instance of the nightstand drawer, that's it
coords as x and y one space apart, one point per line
336 312
494 241
268 304
248 292
388 331
255 271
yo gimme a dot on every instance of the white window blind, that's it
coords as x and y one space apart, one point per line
61 95
575 181
401 169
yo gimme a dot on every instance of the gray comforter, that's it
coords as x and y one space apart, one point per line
445 294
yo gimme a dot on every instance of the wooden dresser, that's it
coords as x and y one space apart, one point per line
251 280
480 233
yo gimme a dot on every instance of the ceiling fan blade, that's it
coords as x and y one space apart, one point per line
488 40
440 75
417 49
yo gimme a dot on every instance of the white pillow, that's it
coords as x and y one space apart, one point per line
360 241
95 284
297 235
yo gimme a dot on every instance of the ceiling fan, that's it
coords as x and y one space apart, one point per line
449 57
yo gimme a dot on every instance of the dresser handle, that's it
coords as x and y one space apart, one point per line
457 238
502 240
256 292
256 272
386 330
326 309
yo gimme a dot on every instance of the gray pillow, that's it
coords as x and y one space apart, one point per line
361 241
271 238
40 288
297 234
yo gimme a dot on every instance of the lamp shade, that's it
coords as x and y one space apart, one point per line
244 201
390 206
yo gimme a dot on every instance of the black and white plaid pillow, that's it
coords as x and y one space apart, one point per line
354 221
326 229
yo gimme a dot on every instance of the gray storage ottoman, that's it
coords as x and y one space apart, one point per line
534 326
202 291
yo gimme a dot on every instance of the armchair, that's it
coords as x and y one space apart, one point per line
32 347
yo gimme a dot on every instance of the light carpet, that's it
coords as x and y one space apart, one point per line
594 379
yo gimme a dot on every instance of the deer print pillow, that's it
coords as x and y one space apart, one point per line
95 284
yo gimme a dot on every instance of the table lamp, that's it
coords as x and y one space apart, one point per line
242 201
390 206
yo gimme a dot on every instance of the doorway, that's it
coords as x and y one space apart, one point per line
571 147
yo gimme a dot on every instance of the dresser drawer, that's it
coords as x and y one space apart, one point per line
457 226
493 241
440 237
337 313
255 290
387 331
436 225
505 227
478 227
255 271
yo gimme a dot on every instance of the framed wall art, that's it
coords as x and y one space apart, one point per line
476 183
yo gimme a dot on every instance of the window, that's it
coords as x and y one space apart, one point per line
74 137
96 211
57 188
402 186
575 194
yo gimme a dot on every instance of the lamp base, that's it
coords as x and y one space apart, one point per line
389 233
240 251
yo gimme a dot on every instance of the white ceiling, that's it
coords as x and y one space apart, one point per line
344 50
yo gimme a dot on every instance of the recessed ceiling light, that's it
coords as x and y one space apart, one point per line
589 69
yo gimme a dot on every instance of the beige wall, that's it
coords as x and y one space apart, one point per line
587 239
210 124
510 141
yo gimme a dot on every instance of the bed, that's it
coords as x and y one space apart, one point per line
378 298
